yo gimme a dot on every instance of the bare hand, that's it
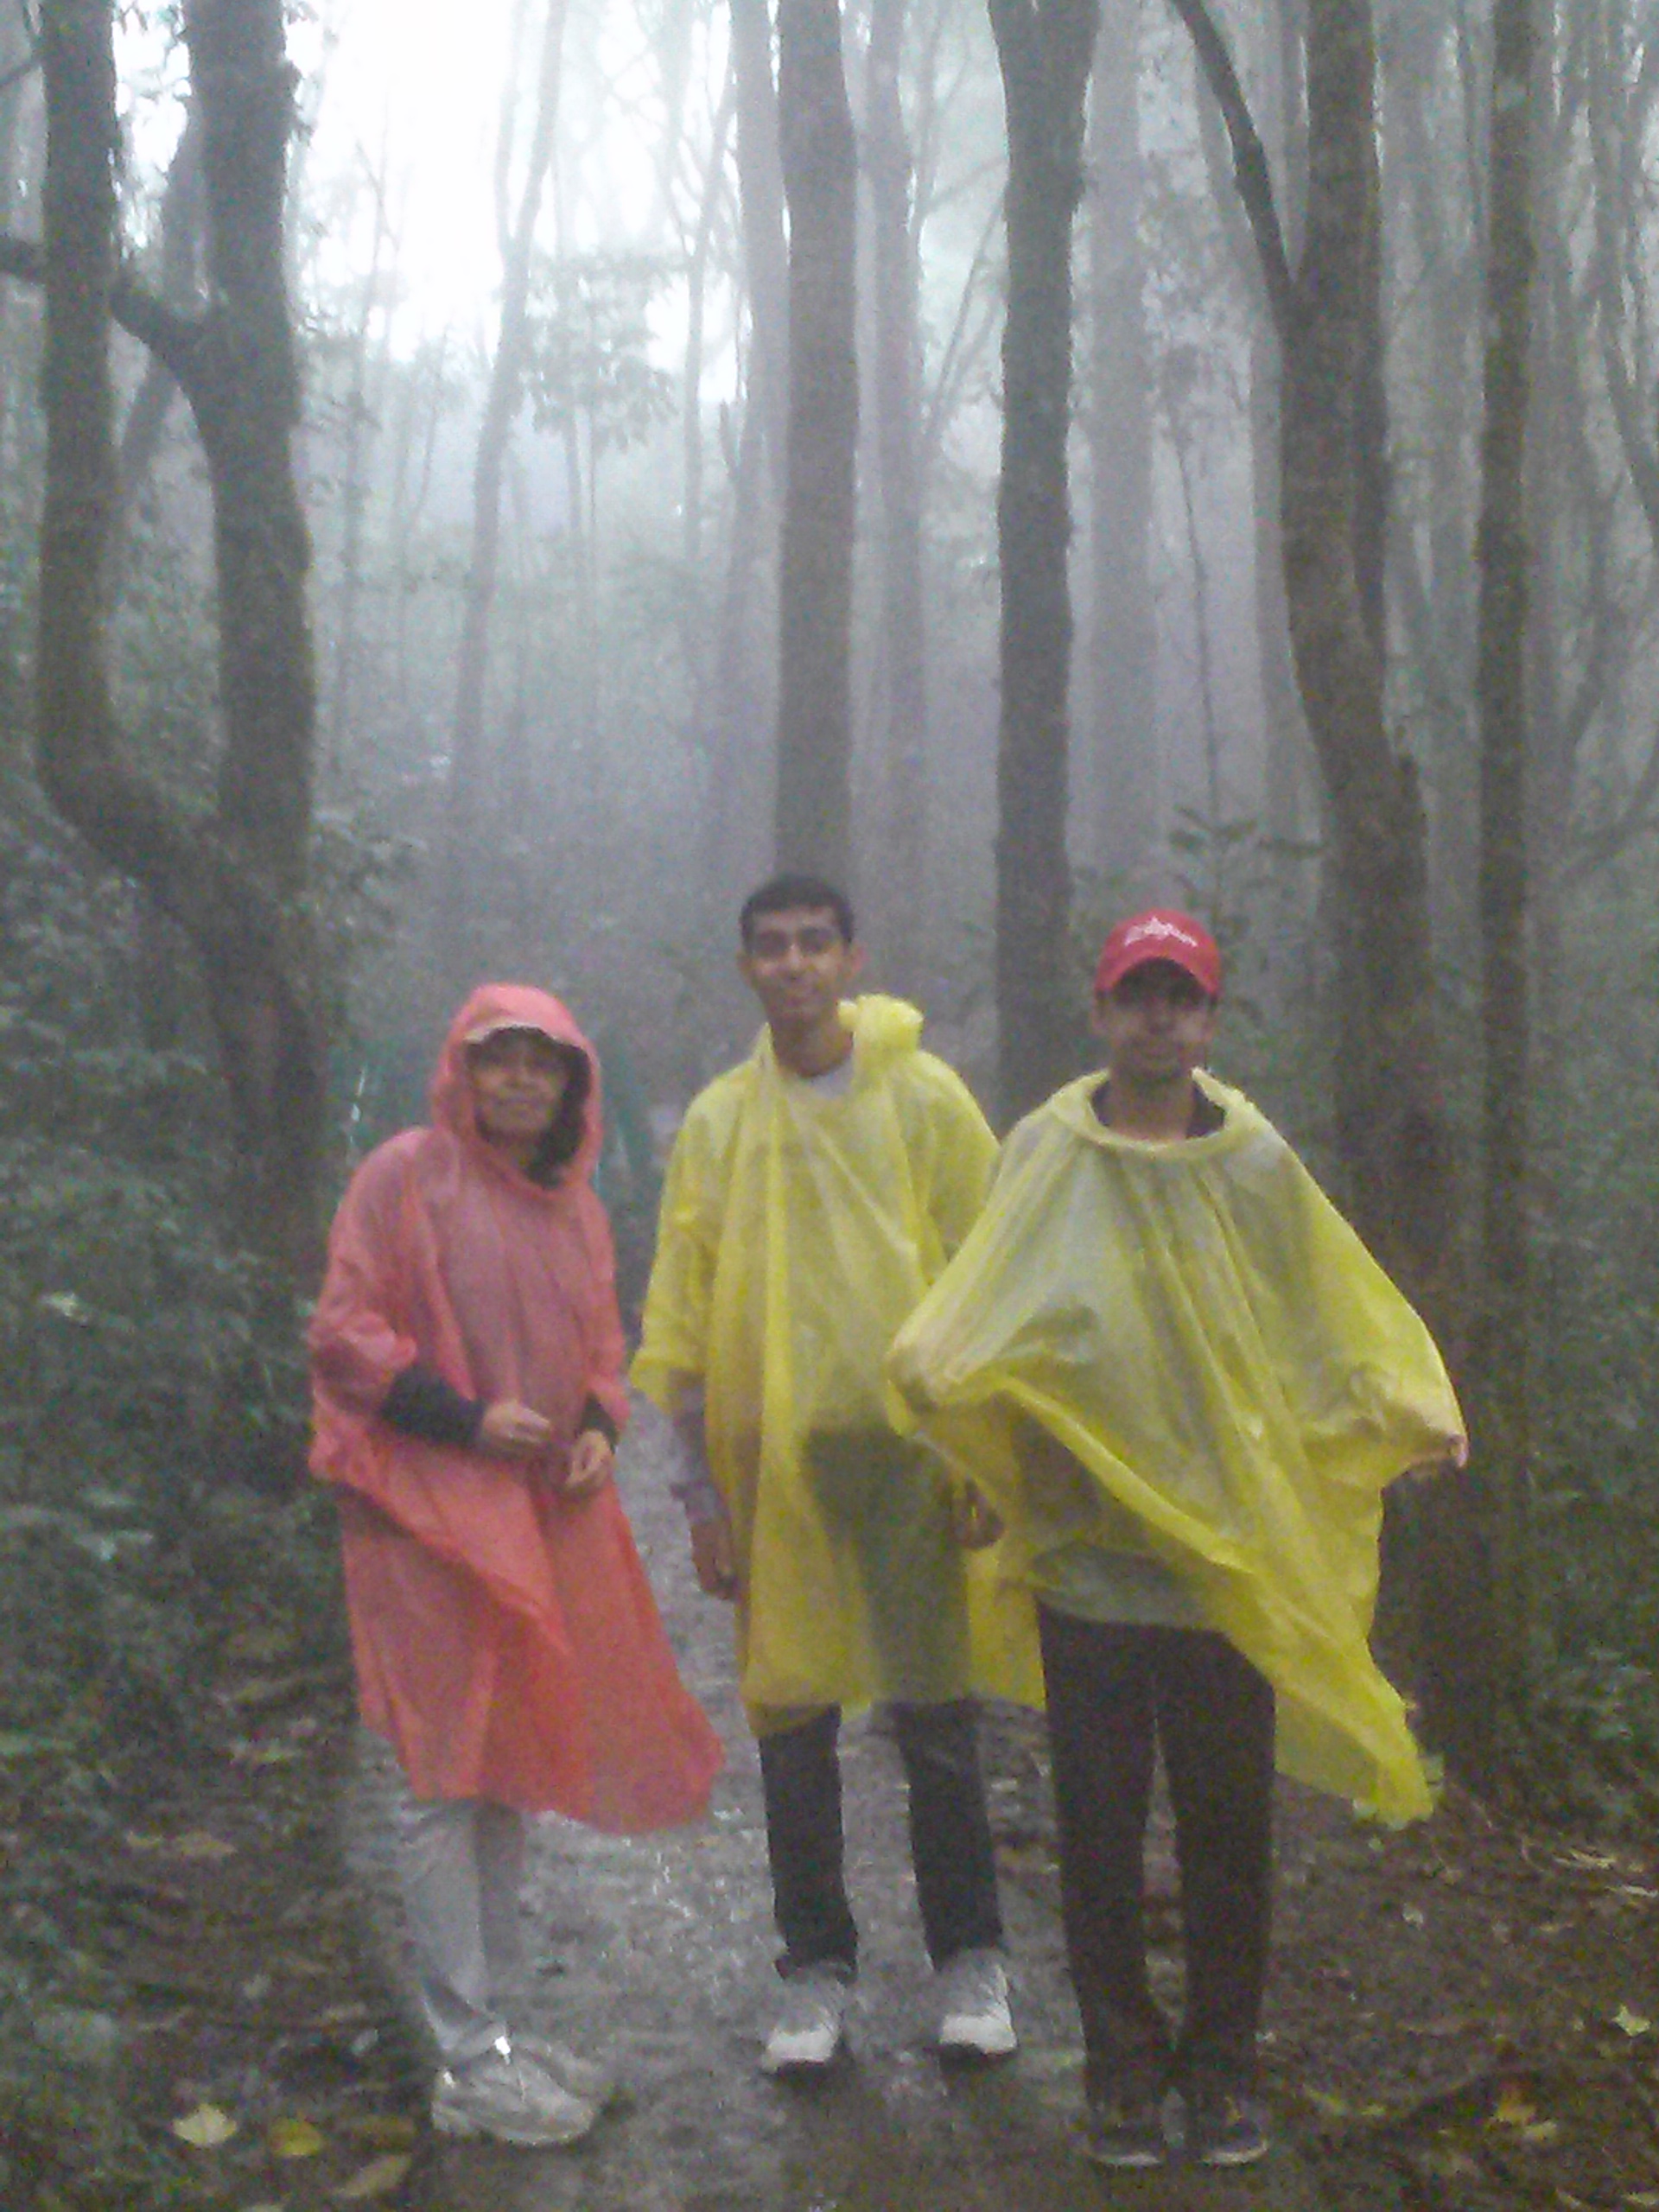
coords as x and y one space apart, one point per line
975 1523
592 1457
714 1558
513 1431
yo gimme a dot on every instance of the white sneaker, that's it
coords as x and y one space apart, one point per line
504 2094
593 2083
808 2031
973 2018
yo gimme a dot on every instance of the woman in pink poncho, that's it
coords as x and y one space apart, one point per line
467 1370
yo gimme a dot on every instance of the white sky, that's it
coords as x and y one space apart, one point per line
410 90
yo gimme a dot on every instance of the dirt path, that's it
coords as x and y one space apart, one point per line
658 1953
1463 2017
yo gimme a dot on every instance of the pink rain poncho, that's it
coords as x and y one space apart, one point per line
505 1638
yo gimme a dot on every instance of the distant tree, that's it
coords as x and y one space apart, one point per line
508 369
1502 1366
896 374
1123 627
1045 49
734 734
234 872
815 590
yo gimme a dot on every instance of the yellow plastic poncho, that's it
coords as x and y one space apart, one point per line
799 1228
1233 1377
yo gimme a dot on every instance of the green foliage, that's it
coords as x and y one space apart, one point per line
590 340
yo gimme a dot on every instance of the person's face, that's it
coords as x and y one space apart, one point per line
1157 1023
519 1080
799 966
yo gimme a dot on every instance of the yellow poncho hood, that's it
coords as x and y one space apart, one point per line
799 1225
1205 1335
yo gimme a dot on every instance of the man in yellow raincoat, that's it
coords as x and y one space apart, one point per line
1183 1384
814 1192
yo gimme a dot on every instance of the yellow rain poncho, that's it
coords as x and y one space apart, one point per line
1235 1380
799 1225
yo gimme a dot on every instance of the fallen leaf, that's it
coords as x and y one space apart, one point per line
1446 2160
1412 1915
1337 2106
196 1843
1631 2023
1542 2131
205 2128
1514 2107
293 2138
378 2178
383 2130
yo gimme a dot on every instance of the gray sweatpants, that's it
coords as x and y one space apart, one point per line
460 1862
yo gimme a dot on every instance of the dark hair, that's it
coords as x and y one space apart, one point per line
780 893
563 1139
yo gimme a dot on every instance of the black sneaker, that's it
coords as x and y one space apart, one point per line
1126 2133
1225 2128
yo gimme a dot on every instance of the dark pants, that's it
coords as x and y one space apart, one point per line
1116 1693
949 1835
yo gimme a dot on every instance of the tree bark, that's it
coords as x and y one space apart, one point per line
1502 1369
814 809
897 384
235 877
1045 49
1123 627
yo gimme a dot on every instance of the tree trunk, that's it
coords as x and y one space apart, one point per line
736 792
1123 629
897 381
235 879
814 809
1045 49
760 209
1393 1136
1502 1369
466 764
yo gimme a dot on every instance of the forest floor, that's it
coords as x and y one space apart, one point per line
1462 2016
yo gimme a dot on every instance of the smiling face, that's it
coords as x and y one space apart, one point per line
519 1078
800 967
1158 1024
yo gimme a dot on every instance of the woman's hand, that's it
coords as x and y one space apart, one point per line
592 1457
513 1431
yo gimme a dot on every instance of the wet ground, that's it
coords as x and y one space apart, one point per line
656 1955
1463 2017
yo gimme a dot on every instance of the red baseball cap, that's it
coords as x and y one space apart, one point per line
1160 934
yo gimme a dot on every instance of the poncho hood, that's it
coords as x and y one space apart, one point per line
523 1007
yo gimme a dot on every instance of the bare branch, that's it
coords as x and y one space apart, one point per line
175 339
1250 170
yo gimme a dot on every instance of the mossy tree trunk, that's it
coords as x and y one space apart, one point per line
234 869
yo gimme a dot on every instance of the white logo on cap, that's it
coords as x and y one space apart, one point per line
1158 927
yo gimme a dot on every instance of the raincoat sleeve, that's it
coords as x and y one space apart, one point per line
359 1338
672 1357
